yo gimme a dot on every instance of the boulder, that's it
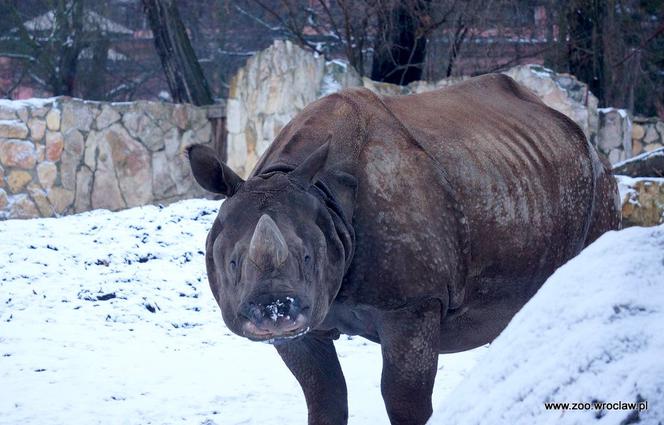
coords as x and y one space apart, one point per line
642 200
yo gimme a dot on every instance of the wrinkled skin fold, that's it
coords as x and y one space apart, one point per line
422 223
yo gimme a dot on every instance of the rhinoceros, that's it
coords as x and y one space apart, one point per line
421 222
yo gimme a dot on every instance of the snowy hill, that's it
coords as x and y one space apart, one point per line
593 333
106 318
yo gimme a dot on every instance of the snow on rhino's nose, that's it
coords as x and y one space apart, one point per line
269 317
268 248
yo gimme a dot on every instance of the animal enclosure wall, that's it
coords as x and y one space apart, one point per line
61 155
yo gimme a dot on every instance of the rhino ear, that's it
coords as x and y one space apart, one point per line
307 170
212 174
342 188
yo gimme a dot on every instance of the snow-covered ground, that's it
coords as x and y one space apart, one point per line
107 318
593 332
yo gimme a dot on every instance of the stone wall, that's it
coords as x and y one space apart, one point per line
642 200
62 155
647 135
614 134
280 81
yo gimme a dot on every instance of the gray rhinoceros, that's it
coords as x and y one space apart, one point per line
422 223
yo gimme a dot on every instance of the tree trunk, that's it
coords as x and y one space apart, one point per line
399 50
95 87
183 72
67 36
585 20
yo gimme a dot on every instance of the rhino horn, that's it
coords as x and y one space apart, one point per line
268 248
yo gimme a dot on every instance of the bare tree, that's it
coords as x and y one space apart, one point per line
49 45
616 47
386 39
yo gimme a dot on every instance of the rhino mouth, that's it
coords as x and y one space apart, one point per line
285 338
281 329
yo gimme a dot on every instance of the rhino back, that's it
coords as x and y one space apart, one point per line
522 171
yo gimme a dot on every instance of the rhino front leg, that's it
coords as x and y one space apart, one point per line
313 360
409 342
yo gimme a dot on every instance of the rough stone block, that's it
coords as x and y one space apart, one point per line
74 142
13 129
637 132
642 200
60 198
55 144
17 180
653 146
4 201
37 129
180 116
40 198
7 113
47 173
132 166
18 153
77 114
163 185
83 190
107 117
21 206
53 119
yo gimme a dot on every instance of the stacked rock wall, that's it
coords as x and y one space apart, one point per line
62 155
614 136
647 135
280 81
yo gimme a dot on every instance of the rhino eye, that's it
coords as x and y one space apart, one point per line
232 265
307 258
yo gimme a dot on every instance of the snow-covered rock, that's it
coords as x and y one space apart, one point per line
593 333
642 200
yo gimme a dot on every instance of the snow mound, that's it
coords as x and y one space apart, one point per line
593 333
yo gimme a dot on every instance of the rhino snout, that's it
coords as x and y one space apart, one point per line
273 317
